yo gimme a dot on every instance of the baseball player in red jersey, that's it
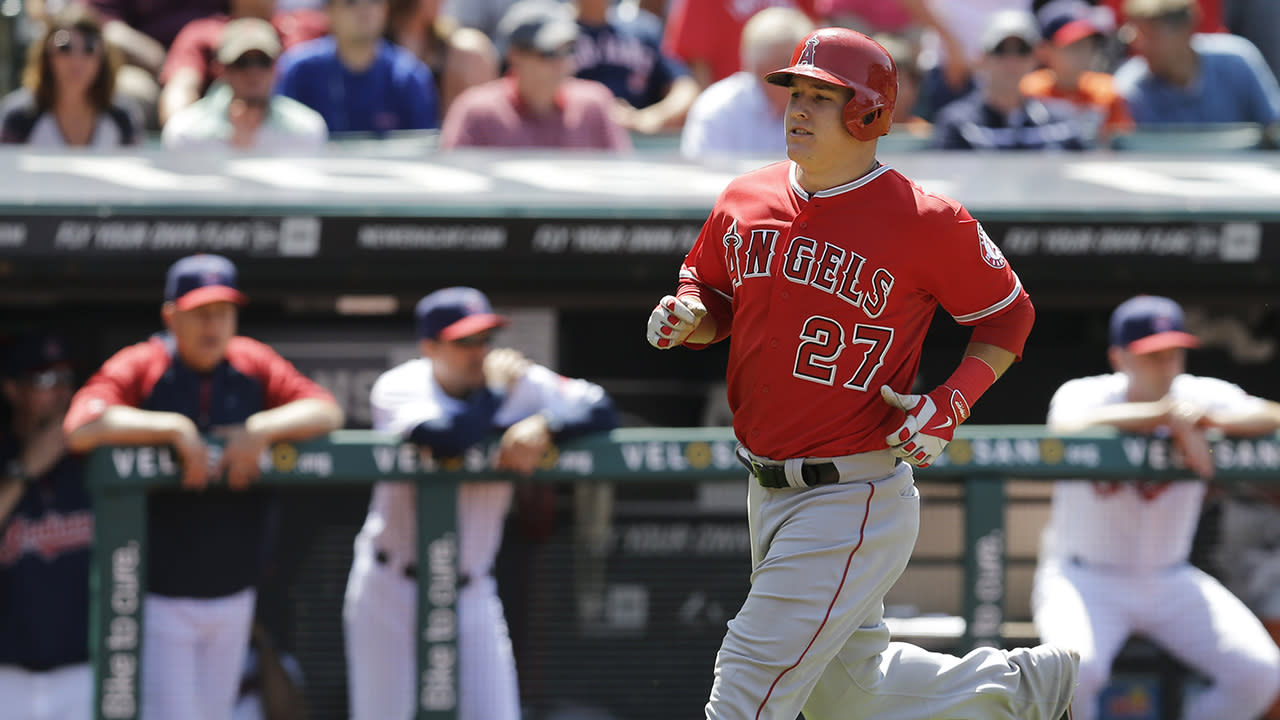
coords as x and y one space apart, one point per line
827 270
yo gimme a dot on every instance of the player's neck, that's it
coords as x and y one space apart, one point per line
818 178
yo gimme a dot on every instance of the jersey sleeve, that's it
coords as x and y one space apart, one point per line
282 382
705 274
967 273
404 404
572 406
120 381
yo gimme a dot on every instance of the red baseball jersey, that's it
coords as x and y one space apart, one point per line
831 295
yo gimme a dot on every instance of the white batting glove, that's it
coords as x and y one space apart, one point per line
930 423
673 320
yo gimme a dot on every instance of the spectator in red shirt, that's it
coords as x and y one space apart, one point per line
190 67
205 550
706 33
539 103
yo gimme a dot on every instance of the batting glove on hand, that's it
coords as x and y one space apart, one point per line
673 320
930 423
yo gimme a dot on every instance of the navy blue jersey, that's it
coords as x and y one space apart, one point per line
970 124
211 543
44 570
631 65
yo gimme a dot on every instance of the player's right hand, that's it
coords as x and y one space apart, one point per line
930 423
673 320
192 453
503 367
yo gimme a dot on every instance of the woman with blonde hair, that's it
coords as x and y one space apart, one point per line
67 98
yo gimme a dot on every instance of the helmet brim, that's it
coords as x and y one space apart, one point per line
783 77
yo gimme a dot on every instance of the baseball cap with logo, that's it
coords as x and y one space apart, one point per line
454 313
244 35
201 279
1149 323
1063 23
1005 24
36 352
544 26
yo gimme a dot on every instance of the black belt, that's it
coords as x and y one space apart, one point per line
775 476
411 570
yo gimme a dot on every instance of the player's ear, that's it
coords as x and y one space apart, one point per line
167 311
1116 356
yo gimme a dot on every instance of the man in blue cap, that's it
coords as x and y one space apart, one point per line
205 550
458 394
1114 560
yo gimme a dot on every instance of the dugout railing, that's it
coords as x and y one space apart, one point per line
983 458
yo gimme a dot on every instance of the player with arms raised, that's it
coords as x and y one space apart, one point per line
828 270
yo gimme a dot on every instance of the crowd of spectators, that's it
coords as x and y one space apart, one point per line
975 74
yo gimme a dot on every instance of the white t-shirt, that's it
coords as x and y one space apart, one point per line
45 133
733 116
1130 525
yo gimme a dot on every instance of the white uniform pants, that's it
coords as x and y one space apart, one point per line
1181 609
380 612
64 693
193 653
811 635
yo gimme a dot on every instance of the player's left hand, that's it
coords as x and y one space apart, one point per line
523 445
930 423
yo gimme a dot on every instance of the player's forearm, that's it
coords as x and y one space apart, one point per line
1134 417
1259 421
297 420
10 493
997 358
124 425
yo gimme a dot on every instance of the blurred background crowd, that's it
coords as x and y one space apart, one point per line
620 74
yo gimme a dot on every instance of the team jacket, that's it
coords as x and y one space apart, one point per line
406 400
44 570
211 543
829 296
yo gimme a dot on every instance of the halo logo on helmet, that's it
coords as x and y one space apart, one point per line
854 61
810 49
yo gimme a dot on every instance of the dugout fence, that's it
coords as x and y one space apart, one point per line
981 459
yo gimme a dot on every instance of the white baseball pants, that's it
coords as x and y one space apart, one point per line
64 693
1181 609
380 613
193 652
810 635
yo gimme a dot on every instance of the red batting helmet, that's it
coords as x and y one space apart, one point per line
849 59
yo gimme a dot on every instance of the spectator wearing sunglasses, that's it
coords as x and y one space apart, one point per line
997 115
46 528
191 67
241 112
539 103
67 98
357 80
1180 77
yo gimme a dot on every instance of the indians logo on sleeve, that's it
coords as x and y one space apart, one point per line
990 251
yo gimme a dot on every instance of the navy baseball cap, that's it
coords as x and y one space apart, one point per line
201 279
455 312
36 352
1148 323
